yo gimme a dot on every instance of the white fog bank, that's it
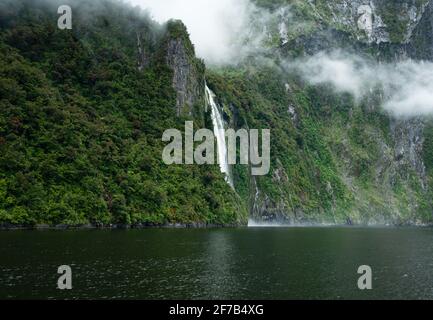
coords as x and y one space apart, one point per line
407 85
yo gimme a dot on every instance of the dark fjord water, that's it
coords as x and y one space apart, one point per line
250 263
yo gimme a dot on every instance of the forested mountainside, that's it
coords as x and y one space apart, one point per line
84 110
82 116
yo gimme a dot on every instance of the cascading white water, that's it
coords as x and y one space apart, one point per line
219 132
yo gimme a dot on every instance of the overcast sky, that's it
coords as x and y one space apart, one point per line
214 25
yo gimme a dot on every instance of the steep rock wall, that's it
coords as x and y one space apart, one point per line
188 71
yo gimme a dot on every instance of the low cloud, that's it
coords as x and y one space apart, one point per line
407 86
216 27
227 31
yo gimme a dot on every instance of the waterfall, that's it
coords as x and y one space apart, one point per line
219 132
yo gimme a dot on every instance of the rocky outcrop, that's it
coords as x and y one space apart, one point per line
188 71
420 45
263 207
174 45
409 142
362 17
378 21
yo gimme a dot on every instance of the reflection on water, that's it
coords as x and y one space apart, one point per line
219 275
249 263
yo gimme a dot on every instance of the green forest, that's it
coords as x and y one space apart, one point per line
83 112
81 126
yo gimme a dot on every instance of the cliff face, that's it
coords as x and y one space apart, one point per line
420 45
408 150
172 43
188 71
378 21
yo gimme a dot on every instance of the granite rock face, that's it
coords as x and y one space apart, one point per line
378 21
409 141
420 45
188 74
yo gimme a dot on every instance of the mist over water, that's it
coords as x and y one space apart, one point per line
252 223
261 224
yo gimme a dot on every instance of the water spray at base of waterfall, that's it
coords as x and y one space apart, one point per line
277 224
263 224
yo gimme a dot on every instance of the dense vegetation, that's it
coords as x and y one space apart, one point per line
81 126
82 116
333 158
